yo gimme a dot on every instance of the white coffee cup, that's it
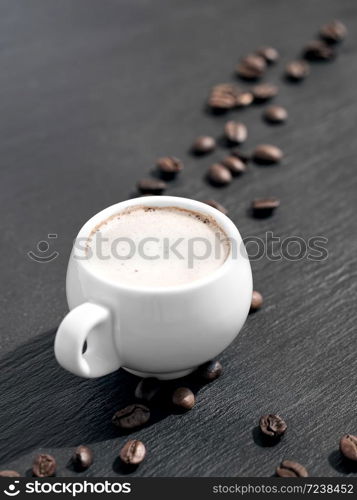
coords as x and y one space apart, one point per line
163 332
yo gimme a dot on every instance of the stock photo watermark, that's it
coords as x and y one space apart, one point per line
191 250
40 254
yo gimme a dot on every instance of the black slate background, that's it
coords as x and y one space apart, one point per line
91 93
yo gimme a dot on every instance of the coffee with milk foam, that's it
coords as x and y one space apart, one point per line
157 246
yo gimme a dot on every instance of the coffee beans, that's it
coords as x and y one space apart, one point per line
235 132
216 205
223 97
264 207
318 50
221 101
297 70
151 186
133 452
203 145
270 54
257 301
264 92
44 466
234 164
288 468
9 473
333 32
267 154
244 99
275 114
169 165
251 67
132 416
348 447
183 398
272 425
210 370
147 389
82 458
219 175
227 96
225 88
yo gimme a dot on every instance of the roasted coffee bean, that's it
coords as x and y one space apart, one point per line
264 92
44 466
244 99
270 54
227 96
9 473
235 132
318 50
267 154
210 370
131 417
221 101
203 145
348 447
234 164
183 398
257 301
82 458
216 205
265 203
297 70
251 67
288 468
147 389
225 88
275 114
264 207
333 32
133 452
151 186
169 165
242 155
219 174
272 425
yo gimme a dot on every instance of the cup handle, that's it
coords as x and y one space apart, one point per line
89 323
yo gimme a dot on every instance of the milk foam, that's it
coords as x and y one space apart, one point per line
157 246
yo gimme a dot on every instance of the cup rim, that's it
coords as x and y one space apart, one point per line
159 201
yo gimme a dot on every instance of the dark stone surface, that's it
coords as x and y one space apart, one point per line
92 92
